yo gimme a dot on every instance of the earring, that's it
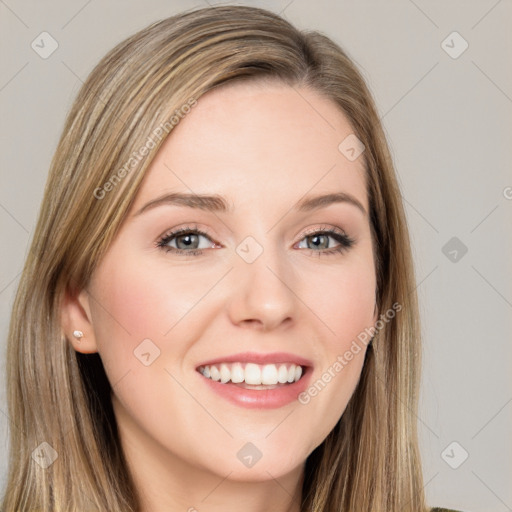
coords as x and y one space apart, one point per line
78 334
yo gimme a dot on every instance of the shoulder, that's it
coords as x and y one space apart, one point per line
439 509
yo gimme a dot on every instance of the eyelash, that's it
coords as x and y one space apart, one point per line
344 240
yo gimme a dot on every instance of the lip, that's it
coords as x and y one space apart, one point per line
258 358
265 398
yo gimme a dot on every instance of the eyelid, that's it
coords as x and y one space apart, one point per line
323 227
345 241
175 232
190 226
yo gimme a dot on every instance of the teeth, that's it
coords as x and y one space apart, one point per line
214 373
225 374
237 373
251 373
282 374
269 374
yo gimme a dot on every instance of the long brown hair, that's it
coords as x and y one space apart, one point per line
370 461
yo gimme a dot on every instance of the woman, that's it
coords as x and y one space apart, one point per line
168 347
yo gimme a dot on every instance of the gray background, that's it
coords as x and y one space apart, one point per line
448 122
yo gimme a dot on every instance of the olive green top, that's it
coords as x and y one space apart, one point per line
437 509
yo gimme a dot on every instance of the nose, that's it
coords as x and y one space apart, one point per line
262 295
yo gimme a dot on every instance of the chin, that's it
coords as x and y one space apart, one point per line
261 471
251 464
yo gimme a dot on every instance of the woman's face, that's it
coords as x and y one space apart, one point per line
264 288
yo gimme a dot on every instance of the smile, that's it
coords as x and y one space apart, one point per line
257 380
252 375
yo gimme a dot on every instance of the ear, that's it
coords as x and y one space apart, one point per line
76 316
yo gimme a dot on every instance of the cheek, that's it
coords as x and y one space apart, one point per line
345 302
129 308
133 309
135 301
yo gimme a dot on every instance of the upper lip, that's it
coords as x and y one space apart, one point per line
260 358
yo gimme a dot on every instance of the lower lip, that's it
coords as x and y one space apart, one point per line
260 398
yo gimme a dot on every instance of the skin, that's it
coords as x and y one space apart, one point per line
263 147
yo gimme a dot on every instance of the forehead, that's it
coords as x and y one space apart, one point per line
265 142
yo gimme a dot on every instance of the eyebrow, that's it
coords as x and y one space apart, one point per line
217 203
